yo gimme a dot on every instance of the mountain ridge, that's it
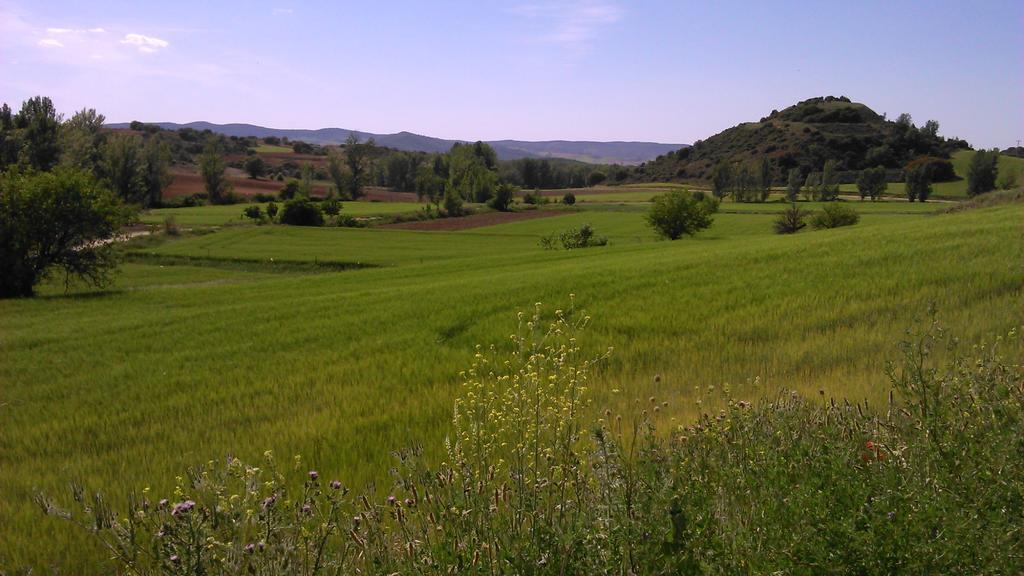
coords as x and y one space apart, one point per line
592 151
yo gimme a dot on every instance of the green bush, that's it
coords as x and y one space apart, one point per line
253 212
569 199
834 216
677 213
504 193
931 483
302 212
272 210
582 237
791 220
331 207
61 220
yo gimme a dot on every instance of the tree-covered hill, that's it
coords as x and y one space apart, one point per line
805 136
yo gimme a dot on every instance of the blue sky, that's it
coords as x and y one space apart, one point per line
667 71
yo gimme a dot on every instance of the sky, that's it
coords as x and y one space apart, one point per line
664 71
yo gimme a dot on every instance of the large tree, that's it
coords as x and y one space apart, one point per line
38 126
871 183
982 172
677 213
793 183
61 220
81 140
212 167
122 165
830 181
357 160
764 179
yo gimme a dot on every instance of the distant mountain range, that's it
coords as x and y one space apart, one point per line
584 151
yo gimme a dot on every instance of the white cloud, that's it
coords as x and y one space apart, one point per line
147 44
59 30
97 30
573 25
283 11
50 43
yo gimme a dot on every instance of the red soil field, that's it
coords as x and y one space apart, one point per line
475 221
186 183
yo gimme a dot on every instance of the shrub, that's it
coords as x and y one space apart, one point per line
289 190
263 197
504 193
791 220
982 172
254 212
582 237
331 207
171 226
871 183
62 220
452 202
919 183
1007 180
569 199
834 216
272 210
678 212
535 198
302 212
348 221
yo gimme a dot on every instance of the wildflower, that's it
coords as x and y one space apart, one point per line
174 559
250 547
313 475
336 484
392 500
182 507
869 445
307 509
162 503
269 501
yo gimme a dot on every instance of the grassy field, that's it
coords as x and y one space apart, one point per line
185 361
232 213
957 189
271 149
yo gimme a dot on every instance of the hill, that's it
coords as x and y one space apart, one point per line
586 151
804 136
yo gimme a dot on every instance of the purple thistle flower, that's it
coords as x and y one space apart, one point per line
268 502
336 484
313 475
182 507
162 503
250 547
307 509
174 558
392 500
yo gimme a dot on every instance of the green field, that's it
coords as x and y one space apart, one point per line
272 149
232 214
957 189
185 361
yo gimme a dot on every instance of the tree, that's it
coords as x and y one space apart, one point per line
81 140
793 185
678 212
744 184
569 199
357 160
871 183
8 138
336 170
918 183
812 186
764 180
472 171
791 220
429 185
38 127
596 178
302 212
63 220
123 168
721 179
256 167
829 181
211 167
931 128
503 196
156 172
306 180
452 202
982 172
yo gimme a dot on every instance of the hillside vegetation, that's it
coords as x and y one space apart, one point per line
805 136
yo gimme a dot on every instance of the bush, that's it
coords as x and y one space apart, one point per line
929 484
918 184
302 212
503 196
171 226
254 212
677 213
1007 180
331 207
262 197
569 199
348 221
582 237
63 220
272 210
939 169
289 190
834 216
982 172
791 220
535 198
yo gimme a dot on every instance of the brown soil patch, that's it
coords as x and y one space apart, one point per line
475 221
187 183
